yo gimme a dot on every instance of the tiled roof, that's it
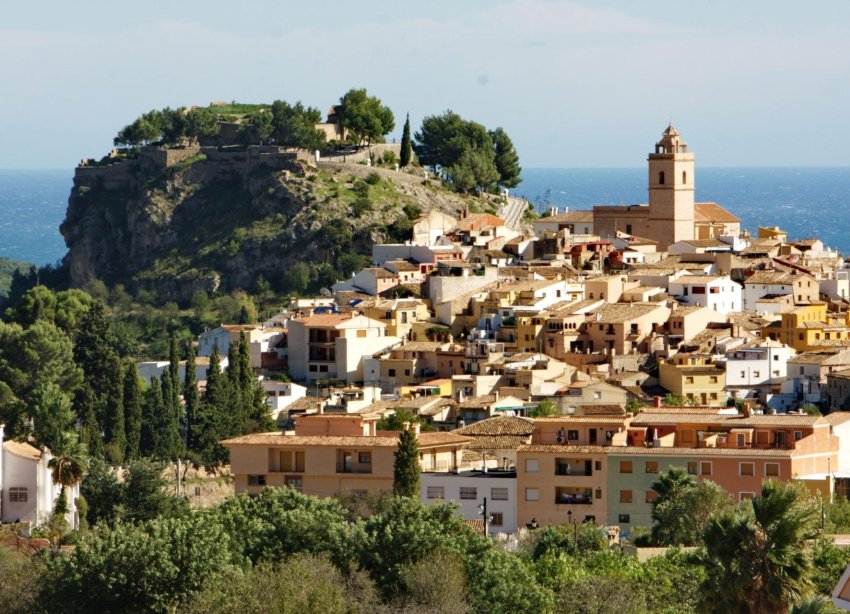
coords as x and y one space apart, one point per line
570 216
712 212
498 442
441 438
24 450
498 425
771 277
279 439
614 313
641 451
324 319
572 419
737 420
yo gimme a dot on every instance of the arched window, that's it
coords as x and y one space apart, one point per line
684 176
661 178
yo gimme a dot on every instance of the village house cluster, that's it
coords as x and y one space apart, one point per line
656 335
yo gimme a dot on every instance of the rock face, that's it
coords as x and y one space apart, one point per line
217 220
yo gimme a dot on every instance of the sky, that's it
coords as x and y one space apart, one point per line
574 83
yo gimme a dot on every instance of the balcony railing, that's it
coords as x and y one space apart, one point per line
344 469
573 499
579 471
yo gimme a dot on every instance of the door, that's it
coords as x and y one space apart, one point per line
592 436
346 463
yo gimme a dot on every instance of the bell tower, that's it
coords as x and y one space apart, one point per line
671 190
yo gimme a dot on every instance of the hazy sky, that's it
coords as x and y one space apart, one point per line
574 83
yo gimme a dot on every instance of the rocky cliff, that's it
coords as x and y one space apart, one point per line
217 220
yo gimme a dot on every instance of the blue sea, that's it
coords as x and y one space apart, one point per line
806 202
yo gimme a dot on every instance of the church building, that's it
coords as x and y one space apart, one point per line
671 215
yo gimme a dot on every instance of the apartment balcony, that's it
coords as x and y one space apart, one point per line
341 468
565 496
574 468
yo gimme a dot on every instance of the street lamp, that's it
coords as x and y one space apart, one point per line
575 527
482 511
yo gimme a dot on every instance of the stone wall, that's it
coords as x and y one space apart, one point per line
163 158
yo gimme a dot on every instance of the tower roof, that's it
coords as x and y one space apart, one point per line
671 142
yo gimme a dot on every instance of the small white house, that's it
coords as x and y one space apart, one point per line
750 367
469 488
281 395
802 288
26 485
718 293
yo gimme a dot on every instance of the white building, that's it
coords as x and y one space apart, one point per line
469 488
27 491
280 395
837 284
718 293
754 366
802 288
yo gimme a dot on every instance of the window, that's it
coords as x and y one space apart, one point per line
713 379
625 496
740 440
407 371
756 373
531 465
623 519
609 435
684 177
661 178
746 495
499 494
746 469
532 494
597 395
689 380
18 494
436 492
628 229
652 466
572 435
597 465
364 458
468 492
771 470
361 334
256 480
651 495
497 519
705 468
625 466
798 435
391 372
293 481
692 467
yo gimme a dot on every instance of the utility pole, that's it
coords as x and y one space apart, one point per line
482 510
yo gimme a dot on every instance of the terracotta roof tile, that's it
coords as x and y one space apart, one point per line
498 425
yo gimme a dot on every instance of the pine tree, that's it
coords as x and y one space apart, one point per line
93 350
406 149
406 469
90 433
259 414
113 425
190 395
132 411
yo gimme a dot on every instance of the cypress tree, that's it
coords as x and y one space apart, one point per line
93 352
174 372
113 424
406 469
406 150
132 411
259 416
151 408
236 411
90 433
190 395
212 423
166 437
246 372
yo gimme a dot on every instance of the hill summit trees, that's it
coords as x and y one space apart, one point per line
471 157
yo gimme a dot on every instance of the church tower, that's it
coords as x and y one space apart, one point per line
671 190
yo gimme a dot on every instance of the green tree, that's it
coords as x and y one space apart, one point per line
145 496
52 415
152 567
544 409
93 353
755 557
406 468
214 416
201 123
681 518
297 278
504 583
91 434
261 124
115 436
406 148
131 398
152 410
190 394
102 492
364 118
295 125
507 160
167 444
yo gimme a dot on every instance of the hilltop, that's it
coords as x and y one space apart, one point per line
182 219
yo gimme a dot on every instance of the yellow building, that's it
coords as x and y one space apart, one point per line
398 314
530 331
807 328
695 377
330 454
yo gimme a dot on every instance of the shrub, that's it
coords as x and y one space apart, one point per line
373 178
361 205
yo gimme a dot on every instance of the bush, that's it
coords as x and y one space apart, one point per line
373 178
389 157
361 205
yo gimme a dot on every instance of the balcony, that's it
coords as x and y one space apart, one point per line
343 468
573 468
564 496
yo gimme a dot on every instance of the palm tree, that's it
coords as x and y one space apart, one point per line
815 605
756 556
68 465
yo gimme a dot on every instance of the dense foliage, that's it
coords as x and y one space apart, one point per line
471 157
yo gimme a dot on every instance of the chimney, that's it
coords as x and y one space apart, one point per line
416 429
496 394
320 407
747 413
656 401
